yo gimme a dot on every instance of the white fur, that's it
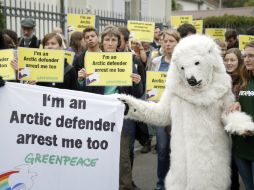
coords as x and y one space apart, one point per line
238 123
200 147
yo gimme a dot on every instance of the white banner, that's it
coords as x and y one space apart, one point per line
58 139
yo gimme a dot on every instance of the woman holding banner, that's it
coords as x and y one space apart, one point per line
110 42
55 41
169 40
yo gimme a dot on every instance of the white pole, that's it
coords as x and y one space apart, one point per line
168 11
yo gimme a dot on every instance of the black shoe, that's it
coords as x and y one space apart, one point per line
146 149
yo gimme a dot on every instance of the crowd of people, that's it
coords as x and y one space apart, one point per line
154 56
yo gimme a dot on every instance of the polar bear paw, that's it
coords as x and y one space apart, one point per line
239 123
131 105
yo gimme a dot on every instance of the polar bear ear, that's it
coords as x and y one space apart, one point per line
211 48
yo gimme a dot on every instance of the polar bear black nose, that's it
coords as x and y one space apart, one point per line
192 81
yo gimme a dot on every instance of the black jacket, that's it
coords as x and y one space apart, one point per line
34 43
79 62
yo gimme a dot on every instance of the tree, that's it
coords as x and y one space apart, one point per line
238 3
176 6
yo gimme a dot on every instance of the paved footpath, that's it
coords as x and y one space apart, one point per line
144 170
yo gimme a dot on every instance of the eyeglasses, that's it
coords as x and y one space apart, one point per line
250 56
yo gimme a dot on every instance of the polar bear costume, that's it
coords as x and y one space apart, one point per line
197 93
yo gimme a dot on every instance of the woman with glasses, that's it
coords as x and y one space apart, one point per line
243 146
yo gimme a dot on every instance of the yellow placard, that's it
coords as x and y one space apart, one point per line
244 39
198 24
176 21
155 85
69 56
6 70
78 22
141 31
108 69
41 65
216 33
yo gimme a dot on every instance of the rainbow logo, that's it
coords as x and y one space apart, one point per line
4 182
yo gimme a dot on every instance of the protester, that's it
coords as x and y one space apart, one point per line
139 51
231 39
77 44
169 40
124 36
92 42
142 134
243 146
233 62
186 30
155 45
9 42
13 35
222 45
54 41
28 38
110 38
58 30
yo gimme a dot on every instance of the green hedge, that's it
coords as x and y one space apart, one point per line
240 23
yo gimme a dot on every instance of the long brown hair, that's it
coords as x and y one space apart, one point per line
235 75
245 75
75 42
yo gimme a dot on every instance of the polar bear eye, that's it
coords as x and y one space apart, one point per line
182 68
197 63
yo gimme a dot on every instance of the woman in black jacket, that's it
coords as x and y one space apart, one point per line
54 41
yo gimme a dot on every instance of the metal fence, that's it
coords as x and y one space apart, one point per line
49 16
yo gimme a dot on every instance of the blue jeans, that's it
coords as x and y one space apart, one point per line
163 150
246 171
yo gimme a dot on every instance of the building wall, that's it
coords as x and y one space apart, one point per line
206 6
190 6
156 9
187 6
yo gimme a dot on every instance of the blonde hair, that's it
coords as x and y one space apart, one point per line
220 43
172 33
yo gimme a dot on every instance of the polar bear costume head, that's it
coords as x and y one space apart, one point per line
197 73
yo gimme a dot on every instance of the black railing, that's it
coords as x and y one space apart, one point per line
47 16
